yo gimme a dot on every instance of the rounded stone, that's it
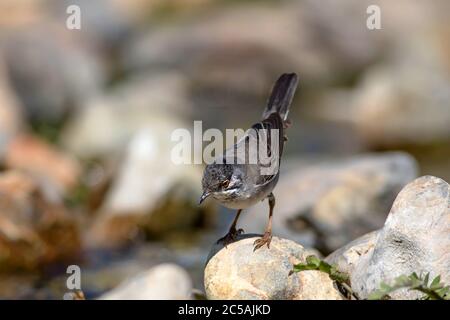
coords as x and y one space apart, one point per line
166 281
238 272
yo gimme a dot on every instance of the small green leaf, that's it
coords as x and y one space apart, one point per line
427 277
377 295
385 287
436 281
313 261
436 291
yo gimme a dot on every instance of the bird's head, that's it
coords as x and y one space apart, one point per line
221 181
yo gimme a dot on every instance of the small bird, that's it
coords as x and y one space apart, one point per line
241 184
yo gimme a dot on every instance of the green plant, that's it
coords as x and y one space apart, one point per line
432 291
341 278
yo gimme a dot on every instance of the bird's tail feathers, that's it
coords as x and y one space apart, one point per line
281 96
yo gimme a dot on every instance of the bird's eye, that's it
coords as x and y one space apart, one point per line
225 183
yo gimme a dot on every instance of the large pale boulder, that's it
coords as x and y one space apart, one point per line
415 238
347 258
236 272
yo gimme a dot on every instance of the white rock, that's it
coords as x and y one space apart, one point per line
348 257
163 282
147 173
413 239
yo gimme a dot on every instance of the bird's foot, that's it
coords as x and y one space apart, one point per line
230 237
265 239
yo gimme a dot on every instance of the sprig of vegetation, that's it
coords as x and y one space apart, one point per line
314 263
341 278
433 291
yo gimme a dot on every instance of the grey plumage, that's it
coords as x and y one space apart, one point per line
235 182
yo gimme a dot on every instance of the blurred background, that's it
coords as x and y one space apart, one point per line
86 117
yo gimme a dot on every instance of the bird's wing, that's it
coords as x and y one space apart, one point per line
261 146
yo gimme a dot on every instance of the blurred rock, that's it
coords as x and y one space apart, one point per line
404 98
106 123
17 286
223 37
407 105
50 70
338 30
302 36
133 125
21 13
236 272
163 282
56 171
413 239
105 33
141 11
231 67
34 230
325 205
10 112
150 193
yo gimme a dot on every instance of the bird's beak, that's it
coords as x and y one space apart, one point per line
203 197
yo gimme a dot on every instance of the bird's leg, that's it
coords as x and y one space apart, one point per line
232 233
267 237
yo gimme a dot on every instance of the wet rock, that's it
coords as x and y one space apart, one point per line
56 171
34 229
236 272
413 239
325 205
163 282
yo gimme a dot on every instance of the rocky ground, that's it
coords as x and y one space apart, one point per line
86 117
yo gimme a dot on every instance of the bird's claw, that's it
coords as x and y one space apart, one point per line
265 239
230 237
